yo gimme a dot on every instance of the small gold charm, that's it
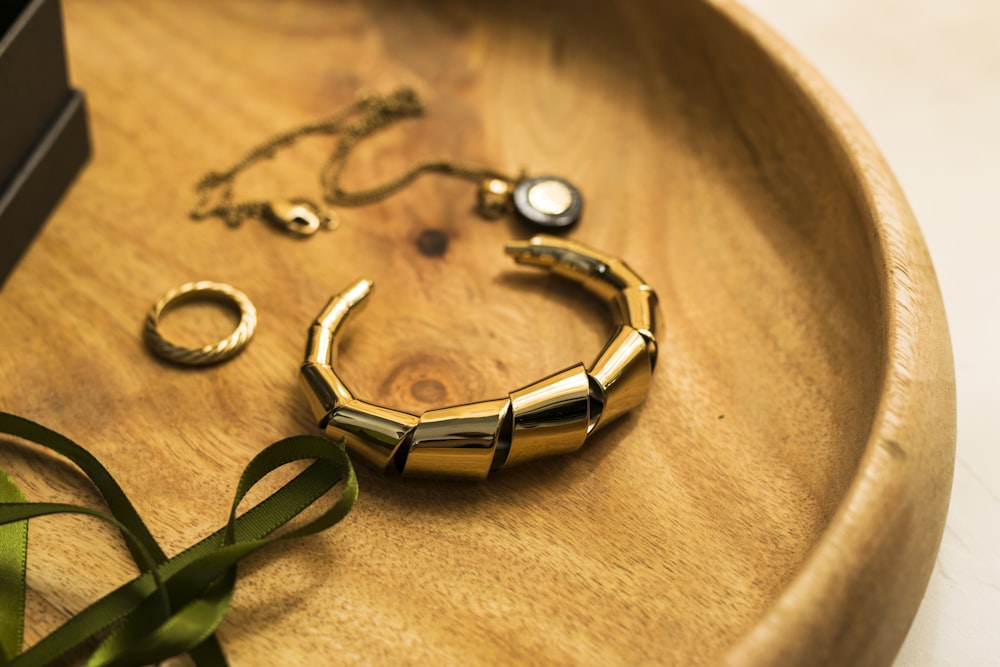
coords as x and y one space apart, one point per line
494 198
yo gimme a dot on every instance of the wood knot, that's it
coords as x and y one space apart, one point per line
428 391
432 243
425 381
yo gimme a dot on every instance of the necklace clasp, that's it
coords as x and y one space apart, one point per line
297 216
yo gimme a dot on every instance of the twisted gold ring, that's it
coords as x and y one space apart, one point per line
552 416
209 354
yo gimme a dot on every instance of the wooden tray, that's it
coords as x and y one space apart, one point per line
778 499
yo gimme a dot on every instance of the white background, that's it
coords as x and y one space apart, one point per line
924 78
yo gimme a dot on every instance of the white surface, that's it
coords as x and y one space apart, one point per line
924 78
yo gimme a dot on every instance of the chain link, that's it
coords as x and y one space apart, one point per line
366 116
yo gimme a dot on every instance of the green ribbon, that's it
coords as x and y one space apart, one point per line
177 603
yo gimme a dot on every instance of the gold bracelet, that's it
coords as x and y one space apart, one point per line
209 354
552 416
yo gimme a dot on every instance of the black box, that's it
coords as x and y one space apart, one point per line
43 123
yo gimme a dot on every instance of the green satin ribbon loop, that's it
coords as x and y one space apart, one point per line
177 603
13 563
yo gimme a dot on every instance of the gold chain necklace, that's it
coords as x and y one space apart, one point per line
547 201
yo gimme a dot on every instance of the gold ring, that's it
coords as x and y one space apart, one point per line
209 354
552 416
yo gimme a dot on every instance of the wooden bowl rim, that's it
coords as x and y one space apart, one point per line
911 335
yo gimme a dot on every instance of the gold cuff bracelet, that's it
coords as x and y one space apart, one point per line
552 416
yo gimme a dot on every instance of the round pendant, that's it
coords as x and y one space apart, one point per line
548 201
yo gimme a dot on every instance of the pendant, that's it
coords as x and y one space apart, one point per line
547 202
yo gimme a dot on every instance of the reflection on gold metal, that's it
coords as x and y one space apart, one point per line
637 308
458 442
550 417
324 390
374 433
494 197
623 369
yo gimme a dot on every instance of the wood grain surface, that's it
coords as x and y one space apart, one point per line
779 497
